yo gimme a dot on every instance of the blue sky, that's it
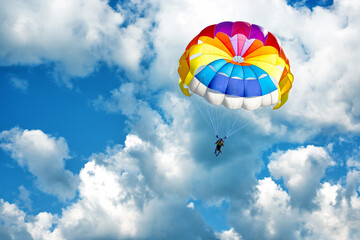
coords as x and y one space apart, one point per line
98 142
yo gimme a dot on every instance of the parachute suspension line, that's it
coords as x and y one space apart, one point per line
240 125
234 124
206 114
219 118
212 116
231 124
237 128
206 119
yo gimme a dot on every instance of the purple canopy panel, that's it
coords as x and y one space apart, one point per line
258 32
224 27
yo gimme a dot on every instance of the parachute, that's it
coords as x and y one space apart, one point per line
237 65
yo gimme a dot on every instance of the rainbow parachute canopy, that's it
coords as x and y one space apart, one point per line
237 64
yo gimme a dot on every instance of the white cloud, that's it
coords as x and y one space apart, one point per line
352 184
15 224
118 200
121 100
39 226
354 160
271 216
12 222
191 205
20 84
229 235
141 190
75 36
180 134
44 157
301 170
335 219
153 177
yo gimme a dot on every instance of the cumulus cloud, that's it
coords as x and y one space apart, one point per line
117 200
275 213
44 157
229 235
74 36
301 169
15 224
271 215
322 47
12 224
141 190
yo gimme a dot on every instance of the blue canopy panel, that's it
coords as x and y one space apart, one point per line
252 88
237 72
206 75
266 84
235 87
236 80
226 69
219 83
217 64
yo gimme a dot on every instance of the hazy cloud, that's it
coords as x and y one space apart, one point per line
20 84
24 197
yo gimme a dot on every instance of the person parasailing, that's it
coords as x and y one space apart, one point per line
219 143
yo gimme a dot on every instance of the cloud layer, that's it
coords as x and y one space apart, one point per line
142 190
